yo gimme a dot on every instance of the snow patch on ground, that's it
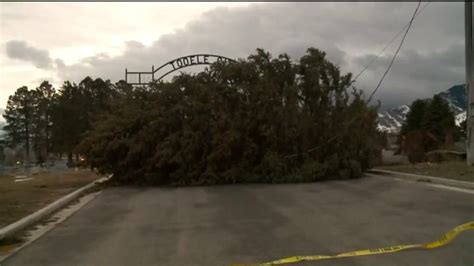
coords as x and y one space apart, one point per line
404 109
460 118
387 129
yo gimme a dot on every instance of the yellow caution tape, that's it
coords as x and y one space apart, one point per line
445 239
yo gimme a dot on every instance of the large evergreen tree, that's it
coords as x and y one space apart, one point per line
18 117
75 108
430 124
45 121
41 120
263 119
439 119
415 117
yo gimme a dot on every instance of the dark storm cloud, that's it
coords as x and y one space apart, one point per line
350 33
416 74
22 51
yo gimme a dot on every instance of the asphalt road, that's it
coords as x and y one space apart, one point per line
221 225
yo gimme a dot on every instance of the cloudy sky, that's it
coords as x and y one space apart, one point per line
69 41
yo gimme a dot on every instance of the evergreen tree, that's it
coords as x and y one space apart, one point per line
439 119
262 119
429 125
75 108
68 118
18 116
41 120
415 117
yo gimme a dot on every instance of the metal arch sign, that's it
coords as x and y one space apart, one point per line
174 65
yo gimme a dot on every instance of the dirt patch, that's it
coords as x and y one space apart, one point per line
458 170
9 244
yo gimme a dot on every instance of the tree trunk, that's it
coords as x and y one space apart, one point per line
70 163
27 130
449 139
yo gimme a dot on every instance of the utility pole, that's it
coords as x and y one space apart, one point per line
469 81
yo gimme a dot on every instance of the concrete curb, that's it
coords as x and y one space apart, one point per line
37 216
438 180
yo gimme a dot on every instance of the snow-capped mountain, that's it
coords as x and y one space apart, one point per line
456 97
392 120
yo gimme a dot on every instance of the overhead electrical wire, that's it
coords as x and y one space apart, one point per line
396 53
406 29
387 45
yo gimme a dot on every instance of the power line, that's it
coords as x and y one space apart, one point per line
380 82
396 53
387 45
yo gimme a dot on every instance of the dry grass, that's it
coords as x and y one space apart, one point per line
18 199
458 170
